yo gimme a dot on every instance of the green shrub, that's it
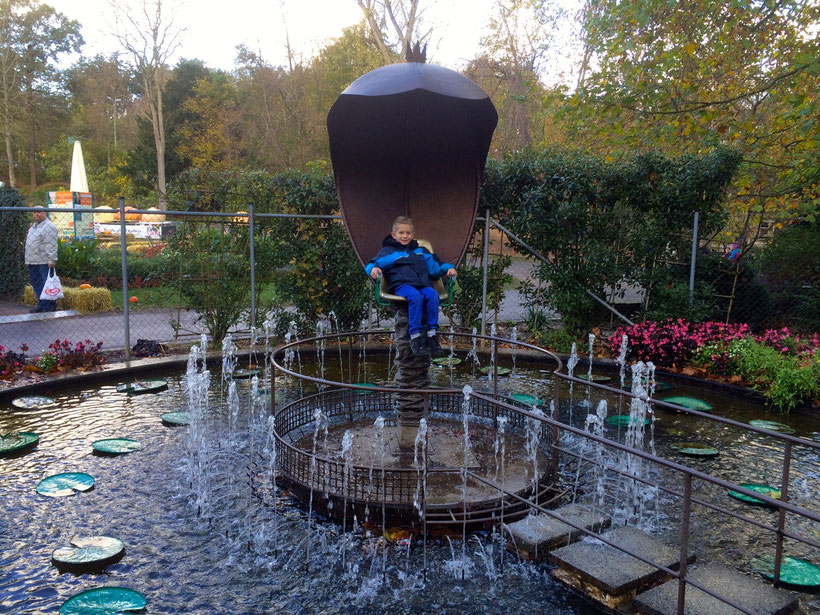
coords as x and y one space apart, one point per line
465 311
601 223
13 276
786 380
214 274
78 258
795 384
559 340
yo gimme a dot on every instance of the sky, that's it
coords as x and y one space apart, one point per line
214 28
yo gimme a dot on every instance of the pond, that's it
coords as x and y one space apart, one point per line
231 547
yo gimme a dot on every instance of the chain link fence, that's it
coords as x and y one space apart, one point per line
136 278
769 280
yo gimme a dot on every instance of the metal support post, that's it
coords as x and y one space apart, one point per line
781 516
684 541
485 262
124 258
693 261
253 265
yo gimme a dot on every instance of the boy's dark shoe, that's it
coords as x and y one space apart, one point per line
436 351
418 346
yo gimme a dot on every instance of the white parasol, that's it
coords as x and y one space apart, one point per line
79 182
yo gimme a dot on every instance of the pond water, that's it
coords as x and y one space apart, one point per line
230 550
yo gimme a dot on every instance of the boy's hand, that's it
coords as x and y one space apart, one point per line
376 272
452 272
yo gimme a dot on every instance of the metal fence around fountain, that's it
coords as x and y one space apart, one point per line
399 486
685 492
364 486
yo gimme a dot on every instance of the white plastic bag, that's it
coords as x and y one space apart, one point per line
52 289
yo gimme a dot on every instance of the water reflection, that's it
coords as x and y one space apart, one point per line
244 549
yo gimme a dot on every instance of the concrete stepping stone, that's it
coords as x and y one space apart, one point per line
534 536
608 575
745 591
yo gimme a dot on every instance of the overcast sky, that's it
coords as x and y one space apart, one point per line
215 27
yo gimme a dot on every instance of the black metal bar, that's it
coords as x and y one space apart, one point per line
684 541
123 256
781 516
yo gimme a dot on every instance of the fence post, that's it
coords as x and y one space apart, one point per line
485 261
693 261
253 266
124 257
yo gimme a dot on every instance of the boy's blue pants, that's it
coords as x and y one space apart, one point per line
422 301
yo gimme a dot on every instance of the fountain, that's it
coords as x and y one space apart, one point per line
351 496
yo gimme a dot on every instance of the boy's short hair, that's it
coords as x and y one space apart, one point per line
402 220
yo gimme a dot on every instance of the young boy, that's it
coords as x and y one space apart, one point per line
409 270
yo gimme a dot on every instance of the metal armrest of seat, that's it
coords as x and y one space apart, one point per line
384 298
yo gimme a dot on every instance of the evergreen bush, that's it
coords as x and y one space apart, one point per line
13 275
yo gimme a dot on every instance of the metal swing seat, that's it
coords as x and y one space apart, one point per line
444 289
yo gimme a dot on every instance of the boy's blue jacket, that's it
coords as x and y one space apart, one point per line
410 264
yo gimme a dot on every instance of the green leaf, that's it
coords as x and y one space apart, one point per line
87 550
105 601
67 483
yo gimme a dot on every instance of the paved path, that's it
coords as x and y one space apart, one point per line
108 327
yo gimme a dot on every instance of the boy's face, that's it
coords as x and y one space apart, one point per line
403 234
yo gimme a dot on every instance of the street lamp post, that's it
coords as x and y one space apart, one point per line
116 112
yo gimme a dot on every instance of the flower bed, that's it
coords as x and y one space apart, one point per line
60 356
784 366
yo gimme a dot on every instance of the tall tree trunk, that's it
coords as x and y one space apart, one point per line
7 126
9 149
32 157
154 91
10 154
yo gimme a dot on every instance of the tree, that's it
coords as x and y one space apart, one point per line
510 70
392 18
208 140
150 37
32 37
103 96
141 166
688 77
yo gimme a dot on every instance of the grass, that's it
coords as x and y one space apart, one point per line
155 297
168 297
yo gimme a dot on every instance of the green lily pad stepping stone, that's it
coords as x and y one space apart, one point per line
104 601
695 449
621 420
16 442
67 483
176 419
659 386
768 490
448 361
138 387
793 571
239 374
595 378
501 371
530 400
692 403
116 446
88 552
32 402
772 426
